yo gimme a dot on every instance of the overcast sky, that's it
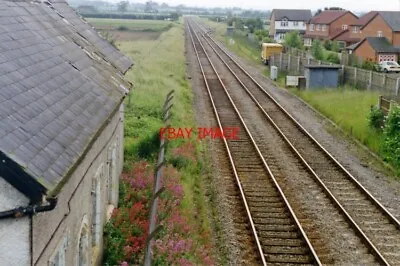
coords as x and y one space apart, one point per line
354 5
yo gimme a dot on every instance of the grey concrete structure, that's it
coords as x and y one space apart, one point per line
61 134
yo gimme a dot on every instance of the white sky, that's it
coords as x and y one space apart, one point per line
353 5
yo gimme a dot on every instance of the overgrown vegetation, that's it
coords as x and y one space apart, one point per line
130 25
376 118
184 239
316 50
391 143
293 40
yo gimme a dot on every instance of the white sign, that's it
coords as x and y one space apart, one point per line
292 81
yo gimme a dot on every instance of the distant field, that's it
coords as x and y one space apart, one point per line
130 24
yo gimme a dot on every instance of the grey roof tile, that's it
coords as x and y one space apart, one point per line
54 97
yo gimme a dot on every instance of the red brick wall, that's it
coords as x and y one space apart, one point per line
366 51
377 24
347 19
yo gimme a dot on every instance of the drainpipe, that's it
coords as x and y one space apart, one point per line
30 209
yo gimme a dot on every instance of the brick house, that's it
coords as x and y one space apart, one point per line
288 20
61 134
379 36
327 25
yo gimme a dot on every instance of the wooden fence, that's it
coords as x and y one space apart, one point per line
356 77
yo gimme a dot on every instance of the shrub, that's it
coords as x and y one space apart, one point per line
376 118
122 28
293 39
333 58
368 65
391 143
316 50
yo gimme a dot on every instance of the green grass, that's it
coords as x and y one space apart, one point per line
159 68
349 109
130 24
240 45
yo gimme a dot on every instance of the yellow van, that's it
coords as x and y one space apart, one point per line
269 49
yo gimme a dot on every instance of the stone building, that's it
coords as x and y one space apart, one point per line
61 134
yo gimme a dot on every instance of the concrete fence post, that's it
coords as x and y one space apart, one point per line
280 61
289 59
319 62
298 65
384 80
308 61
397 86
355 76
343 77
370 80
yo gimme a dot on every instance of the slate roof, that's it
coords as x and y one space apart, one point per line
59 84
366 18
292 14
379 44
328 16
392 18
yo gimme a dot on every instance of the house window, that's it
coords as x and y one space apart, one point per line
83 245
304 24
284 22
113 175
344 27
295 23
379 33
307 42
318 28
356 29
58 258
311 27
96 206
324 27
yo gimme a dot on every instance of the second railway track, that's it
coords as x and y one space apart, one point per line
376 226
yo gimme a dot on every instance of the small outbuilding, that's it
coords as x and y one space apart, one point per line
321 76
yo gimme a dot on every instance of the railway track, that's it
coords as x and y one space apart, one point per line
378 229
277 232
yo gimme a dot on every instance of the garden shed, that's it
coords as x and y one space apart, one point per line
321 76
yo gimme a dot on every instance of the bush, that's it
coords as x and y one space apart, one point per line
368 65
293 39
333 58
316 50
122 28
391 143
376 118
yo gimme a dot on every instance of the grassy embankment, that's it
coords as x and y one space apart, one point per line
159 68
130 24
347 107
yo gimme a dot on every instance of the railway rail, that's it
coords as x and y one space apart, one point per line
278 234
374 224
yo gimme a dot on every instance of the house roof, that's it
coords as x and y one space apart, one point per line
392 18
328 16
292 14
346 36
59 84
366 18
379 44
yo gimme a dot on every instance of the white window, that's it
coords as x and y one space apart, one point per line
96 206
113 174
307 42
318 28
324 27
83 244
344 27
284 22
304 24
311 27
58 258
379 33
356 29
295 23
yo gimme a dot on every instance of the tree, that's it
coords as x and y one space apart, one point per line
316 50
333 58
174 15
293 39
123 6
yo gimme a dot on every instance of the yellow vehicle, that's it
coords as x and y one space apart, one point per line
269 49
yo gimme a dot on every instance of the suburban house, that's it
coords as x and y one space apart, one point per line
287 20
61 134
379 36
328 25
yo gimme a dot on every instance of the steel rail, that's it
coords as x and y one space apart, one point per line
299 126
315 256
308 167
